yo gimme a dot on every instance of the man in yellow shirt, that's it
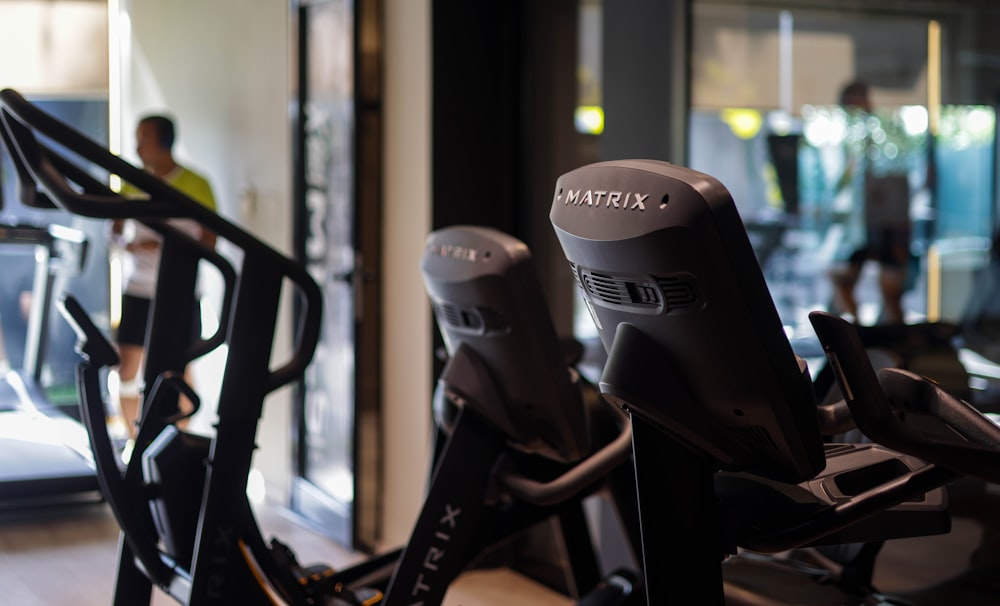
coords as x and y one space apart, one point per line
155 136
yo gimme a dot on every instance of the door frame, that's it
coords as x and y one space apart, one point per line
355 525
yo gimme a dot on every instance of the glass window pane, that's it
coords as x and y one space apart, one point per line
836 193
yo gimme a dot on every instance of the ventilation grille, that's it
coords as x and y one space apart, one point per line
679 294
672 294
576 276
605 288
470 318
448 314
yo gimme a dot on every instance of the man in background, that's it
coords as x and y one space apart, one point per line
878 226
155 135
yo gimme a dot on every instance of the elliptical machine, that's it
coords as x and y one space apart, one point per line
723 412
187 525
231 562
513 452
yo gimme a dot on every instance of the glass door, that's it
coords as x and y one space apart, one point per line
859 145
772 116
337 446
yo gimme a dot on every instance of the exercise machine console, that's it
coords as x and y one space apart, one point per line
723 411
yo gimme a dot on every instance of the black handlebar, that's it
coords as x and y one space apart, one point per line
100 354
56 165
585 473
907 412
934 425
46 176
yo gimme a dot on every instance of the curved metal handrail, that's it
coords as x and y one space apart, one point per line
43 167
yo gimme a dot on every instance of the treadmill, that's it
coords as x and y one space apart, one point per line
45 457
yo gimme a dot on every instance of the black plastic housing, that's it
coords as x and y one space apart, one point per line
484 289
662 249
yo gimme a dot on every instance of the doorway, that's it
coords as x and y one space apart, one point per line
337 200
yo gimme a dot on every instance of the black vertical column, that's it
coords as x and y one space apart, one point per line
551 146
476 56
646 79
504 91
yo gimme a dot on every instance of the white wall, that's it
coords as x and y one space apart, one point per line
222 68
406 311
54 48
223 71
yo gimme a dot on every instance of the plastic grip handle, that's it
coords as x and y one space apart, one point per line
40 165
37 163
585 473
964 440
308 330
21 120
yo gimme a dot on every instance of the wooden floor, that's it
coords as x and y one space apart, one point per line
68 557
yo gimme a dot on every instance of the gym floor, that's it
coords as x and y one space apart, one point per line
68 557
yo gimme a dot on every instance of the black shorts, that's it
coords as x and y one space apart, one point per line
890 247
135 319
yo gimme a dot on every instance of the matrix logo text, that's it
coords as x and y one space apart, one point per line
608 199
453 251
426 579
